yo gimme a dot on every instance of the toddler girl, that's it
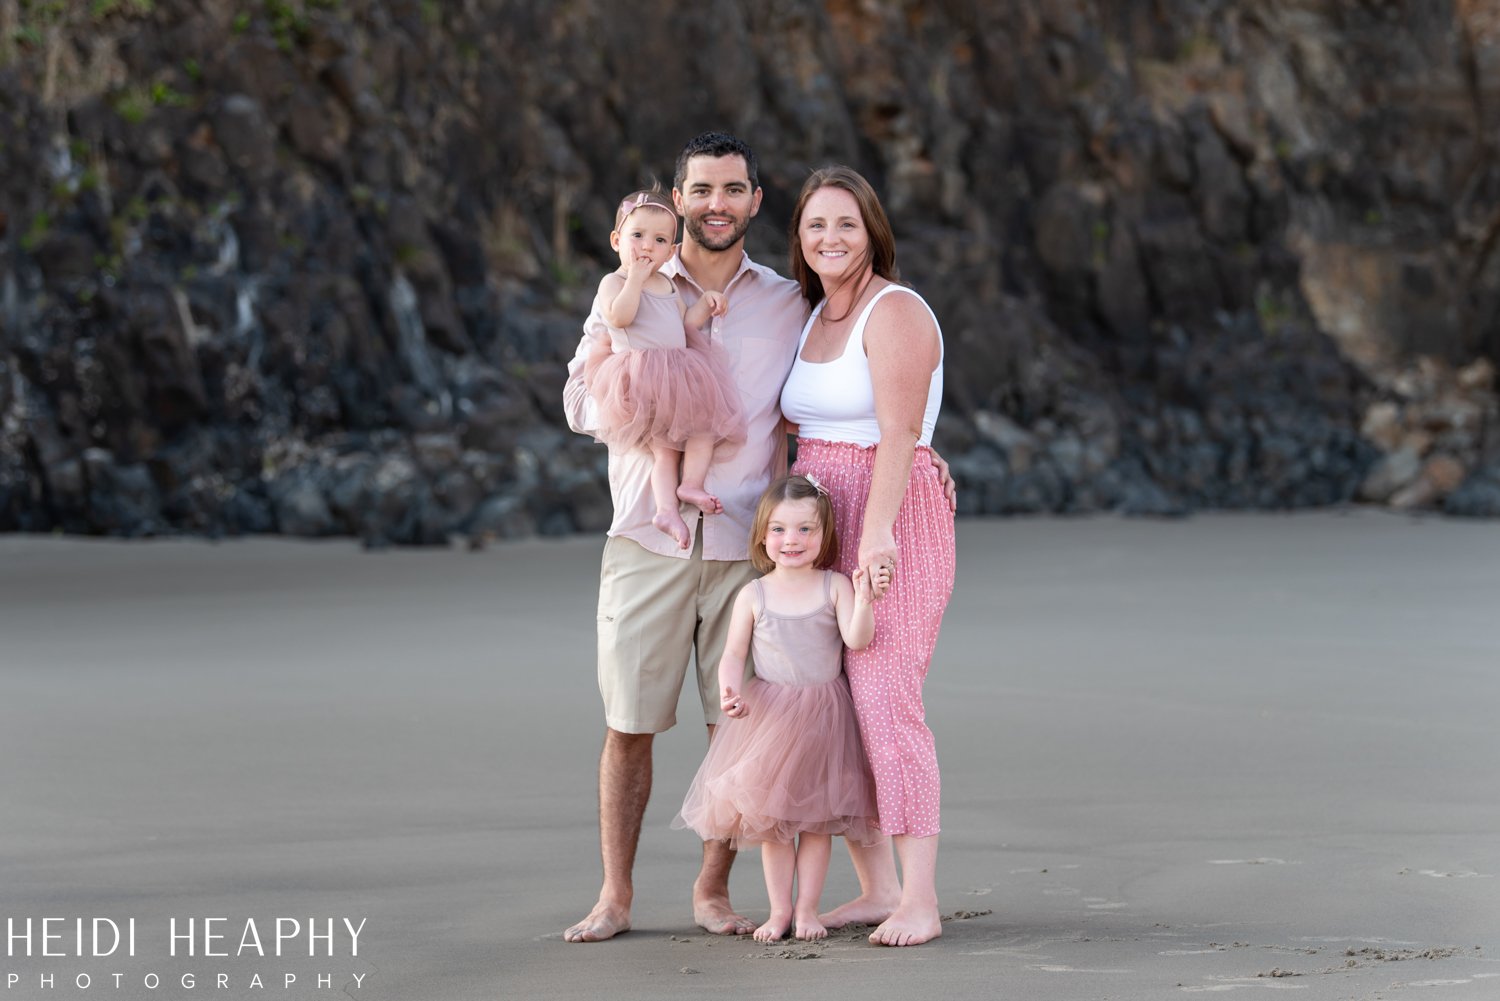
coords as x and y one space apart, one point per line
786 768
659 382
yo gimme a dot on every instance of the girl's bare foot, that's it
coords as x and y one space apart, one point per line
903 928
774 928
861 910
809 929
670 523
700 498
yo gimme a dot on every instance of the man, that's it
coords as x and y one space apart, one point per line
658 602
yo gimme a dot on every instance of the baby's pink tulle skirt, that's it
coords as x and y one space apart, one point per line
665 396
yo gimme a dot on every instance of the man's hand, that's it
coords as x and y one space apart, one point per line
945 478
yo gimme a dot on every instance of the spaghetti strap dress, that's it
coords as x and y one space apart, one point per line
794 763
656 390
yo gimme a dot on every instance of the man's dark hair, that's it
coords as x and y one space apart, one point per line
715 144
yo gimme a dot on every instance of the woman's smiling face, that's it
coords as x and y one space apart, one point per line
835 242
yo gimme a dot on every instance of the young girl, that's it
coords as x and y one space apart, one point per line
786 768
659 382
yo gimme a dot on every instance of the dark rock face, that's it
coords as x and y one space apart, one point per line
316 267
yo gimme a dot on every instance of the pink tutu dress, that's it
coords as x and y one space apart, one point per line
655 389
795 763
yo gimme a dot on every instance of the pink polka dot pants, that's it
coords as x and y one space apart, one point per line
886 677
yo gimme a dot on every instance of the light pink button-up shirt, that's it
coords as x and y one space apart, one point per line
759 331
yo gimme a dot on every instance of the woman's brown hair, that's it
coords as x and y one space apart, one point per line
880 255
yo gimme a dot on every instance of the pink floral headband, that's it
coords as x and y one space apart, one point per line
639 200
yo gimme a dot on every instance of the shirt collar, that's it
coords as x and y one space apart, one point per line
674 268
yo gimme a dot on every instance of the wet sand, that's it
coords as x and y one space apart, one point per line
1179 757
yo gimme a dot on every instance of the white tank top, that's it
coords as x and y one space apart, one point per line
835 400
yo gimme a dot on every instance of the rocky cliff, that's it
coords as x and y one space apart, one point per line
315 267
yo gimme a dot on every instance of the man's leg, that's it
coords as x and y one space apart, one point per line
719 584
711 909
624 788
644 644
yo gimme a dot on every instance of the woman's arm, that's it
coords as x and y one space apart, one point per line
901 343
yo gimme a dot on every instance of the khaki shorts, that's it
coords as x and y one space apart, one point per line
653 612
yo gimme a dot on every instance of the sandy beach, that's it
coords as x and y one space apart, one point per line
1231 753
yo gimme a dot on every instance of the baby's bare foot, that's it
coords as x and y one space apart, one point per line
700 498
774 928
670 523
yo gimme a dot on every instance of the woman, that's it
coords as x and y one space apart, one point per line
864 391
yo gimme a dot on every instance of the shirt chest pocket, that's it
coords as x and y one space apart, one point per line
760 367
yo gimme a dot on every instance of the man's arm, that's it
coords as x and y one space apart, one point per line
578 406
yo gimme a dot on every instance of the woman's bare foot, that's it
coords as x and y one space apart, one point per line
808 928
903 928
700 498
861 910
775 927
670 523
605 921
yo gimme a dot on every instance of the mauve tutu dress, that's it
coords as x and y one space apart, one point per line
795 763
655 389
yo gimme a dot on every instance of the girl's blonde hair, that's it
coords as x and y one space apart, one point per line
653 197
793 488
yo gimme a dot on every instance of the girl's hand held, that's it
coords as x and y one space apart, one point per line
733 705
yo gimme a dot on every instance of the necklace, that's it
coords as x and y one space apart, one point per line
825 323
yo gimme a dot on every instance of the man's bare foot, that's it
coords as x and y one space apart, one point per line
671 523
700 498
605 921
715 916
860 911
775 927
808 928
904 928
